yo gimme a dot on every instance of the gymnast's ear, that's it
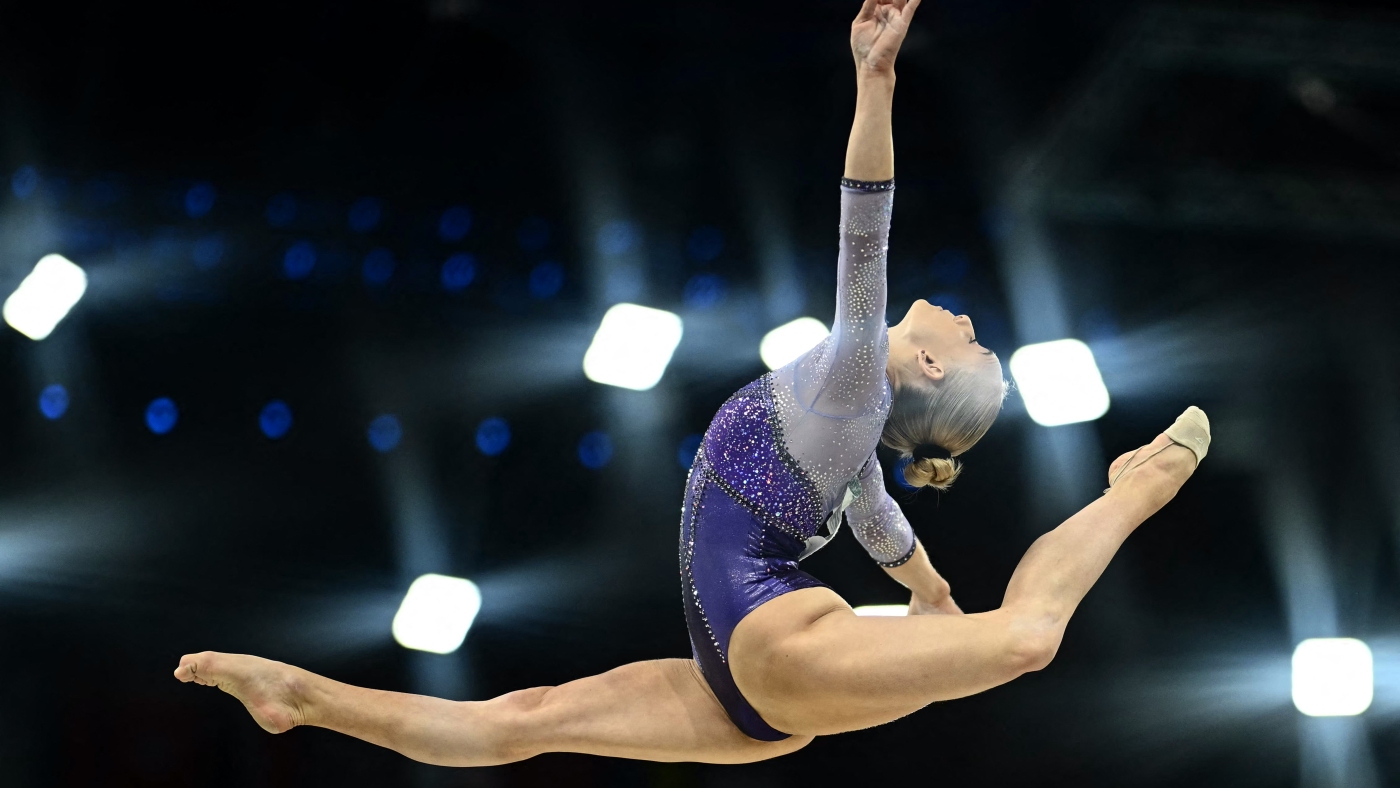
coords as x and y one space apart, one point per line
931 367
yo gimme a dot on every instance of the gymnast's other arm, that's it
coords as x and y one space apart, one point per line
929 593
883 530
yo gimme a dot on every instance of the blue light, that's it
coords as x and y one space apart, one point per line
546 280
493 436
950 266
685 455
281 210
365 214
385 432
199 199
898 473
24 182
455 223
458 272
208 251
379 267
595 450
617 237
161 415
299 260
533 234
53 402
704 291
705 244
949 301
275 419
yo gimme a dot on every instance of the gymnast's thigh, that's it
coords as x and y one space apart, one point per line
809 665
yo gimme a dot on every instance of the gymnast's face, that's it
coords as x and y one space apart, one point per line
930 340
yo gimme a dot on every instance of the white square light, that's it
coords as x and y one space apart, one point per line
882 610
632 347
1059 382
436 613
790 340
45 296
1332 677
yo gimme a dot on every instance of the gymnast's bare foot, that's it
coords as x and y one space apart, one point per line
271 691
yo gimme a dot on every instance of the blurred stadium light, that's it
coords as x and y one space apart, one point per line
632 347
1332 677
790 340
162 415
45 297
493 436
53 402
1059 382
436 613
275 420
385 432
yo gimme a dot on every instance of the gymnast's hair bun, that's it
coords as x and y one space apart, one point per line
932 472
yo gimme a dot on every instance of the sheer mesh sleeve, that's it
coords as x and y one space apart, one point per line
845 375
877 521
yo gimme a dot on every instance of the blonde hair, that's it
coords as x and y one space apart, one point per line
953 413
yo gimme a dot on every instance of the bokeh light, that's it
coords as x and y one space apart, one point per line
275 420
493 436
24 182
685 453
208 251
162 415
53 402
458 272
704 291
385 433
199 199
595 450
299 260
546 280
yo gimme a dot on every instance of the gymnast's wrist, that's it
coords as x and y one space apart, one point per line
869 80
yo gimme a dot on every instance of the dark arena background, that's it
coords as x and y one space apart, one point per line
343 262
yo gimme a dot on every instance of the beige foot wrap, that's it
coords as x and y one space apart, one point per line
1192 430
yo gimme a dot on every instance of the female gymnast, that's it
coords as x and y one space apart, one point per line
779 658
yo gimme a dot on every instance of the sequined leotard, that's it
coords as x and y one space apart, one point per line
787 456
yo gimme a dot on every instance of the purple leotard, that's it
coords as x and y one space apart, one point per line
787 456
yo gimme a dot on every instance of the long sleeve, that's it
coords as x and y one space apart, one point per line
877 521
845 375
